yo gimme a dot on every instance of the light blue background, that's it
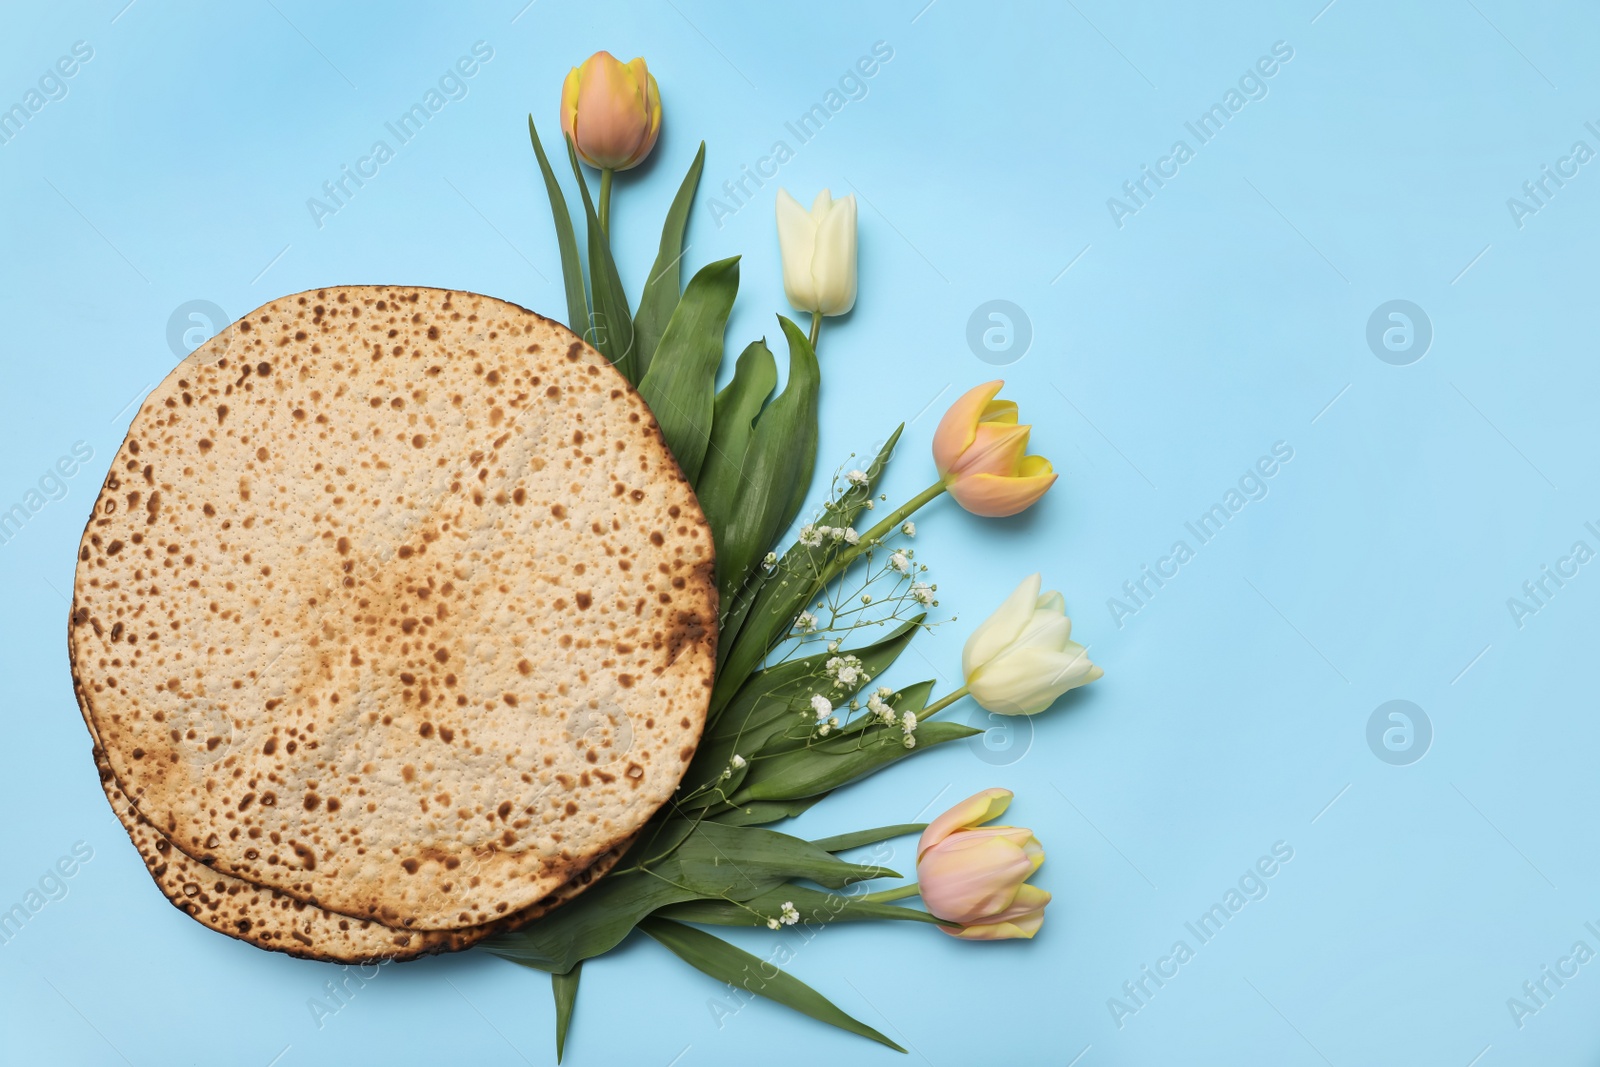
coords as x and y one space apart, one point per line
1227 315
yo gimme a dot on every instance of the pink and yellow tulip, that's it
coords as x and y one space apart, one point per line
981 453
977 875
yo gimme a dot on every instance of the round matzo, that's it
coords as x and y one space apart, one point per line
273 920
395 601
276 921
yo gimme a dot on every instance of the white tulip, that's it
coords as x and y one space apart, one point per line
1021 658
819 252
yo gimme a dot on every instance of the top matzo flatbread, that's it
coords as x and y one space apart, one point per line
390 584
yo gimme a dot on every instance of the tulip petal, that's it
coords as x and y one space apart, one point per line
960 424
611 122
1030 900
1022 919
1000 629
797 241
569 103
1032 466
978 808
969 876
1018 836
1026 681
652 105
1001 411
996 448
833 263
994 497
639 74
1045 629
1024 928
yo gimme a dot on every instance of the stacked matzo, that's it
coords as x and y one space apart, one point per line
394 617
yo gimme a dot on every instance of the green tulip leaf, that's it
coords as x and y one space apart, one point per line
816 908
566 240
680 386
662 289
911 698
844 842
832 762
722 478
711 860
802 363
594 924
724 962
774 702
775 470
778 598
743 862
565 988
764 812
610 326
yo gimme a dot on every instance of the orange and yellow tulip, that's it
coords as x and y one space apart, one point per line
981 453
611 111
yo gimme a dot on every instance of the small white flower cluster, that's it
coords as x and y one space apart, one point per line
901 562
877 705
908 528
827 721
813 534
734 764
857 477
846 672
806 623
922 593
788 916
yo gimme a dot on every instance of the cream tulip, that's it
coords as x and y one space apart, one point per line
1021 658
819 252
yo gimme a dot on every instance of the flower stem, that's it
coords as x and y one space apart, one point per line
842 561
816 329
889 523
605 201
940 704
886 895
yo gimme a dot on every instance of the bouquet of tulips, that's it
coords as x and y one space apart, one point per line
805 628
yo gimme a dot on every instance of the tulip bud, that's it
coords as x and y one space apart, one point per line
981 454
977 875
612 111
1021 658
819 252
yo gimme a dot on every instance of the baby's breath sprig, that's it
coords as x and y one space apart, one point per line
880 583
